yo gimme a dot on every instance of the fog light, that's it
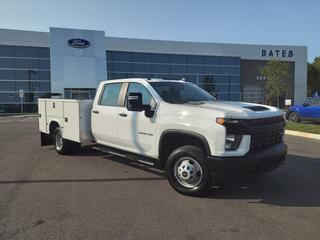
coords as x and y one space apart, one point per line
232 142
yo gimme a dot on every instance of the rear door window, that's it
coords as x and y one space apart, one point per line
110 94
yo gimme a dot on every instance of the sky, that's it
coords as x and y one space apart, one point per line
283 22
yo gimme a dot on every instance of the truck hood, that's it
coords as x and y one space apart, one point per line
241 110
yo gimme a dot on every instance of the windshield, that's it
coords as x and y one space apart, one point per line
180 92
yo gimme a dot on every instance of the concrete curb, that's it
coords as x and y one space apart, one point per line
303 134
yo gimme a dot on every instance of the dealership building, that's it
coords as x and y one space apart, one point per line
72 62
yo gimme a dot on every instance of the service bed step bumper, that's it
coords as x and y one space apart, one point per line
230 169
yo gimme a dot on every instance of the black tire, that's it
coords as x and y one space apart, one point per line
188 154
64 147
293 117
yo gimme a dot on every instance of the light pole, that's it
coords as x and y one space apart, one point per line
29 84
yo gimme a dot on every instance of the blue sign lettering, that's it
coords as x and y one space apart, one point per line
277 53
290 53
270 53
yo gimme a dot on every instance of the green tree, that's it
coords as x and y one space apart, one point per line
314 76
277 73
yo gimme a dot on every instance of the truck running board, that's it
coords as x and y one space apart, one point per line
130 156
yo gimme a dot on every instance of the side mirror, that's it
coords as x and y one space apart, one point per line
148 111
135 102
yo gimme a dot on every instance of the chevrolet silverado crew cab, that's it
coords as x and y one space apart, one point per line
199 140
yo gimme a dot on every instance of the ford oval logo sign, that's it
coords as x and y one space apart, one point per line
78 43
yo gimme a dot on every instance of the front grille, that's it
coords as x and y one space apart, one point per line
265 121
264 139
264 132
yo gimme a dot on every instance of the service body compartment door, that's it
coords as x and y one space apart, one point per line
54 108
42 117
71 126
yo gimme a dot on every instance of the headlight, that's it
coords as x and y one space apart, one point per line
232 142
224 121
234 129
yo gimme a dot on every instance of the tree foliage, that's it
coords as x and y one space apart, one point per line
277 74
314 76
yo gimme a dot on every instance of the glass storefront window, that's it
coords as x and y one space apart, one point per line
31 52
6 74
6 63
141 67
228 61
44 64
44 52
26 68
195 69
178 59
6 51
7 85
141 57
26 63
211 69
121 67
211 60
26 75
160 68
178 69
195 60
160 58
121 56
213 73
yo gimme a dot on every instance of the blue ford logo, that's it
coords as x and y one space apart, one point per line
78 43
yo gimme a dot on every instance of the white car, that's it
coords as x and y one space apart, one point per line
199 140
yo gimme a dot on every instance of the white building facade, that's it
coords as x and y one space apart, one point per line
72 62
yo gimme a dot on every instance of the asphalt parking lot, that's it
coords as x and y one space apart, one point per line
96 196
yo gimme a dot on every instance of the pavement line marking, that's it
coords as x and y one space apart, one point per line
27 119
303 134
5 121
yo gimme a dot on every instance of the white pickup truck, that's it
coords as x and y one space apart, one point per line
199 140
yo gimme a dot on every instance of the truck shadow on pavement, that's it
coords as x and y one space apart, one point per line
294 184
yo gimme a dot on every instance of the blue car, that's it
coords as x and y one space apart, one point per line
310 110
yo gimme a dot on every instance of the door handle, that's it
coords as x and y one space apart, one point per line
95 111
123 114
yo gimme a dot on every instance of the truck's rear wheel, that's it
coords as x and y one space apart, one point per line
188 172
63 146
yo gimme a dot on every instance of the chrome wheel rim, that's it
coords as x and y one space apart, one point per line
292 117
59 141
188 172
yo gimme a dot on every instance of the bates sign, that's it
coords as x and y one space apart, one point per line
276 53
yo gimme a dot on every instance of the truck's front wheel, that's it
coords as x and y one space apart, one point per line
187 171
63 146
